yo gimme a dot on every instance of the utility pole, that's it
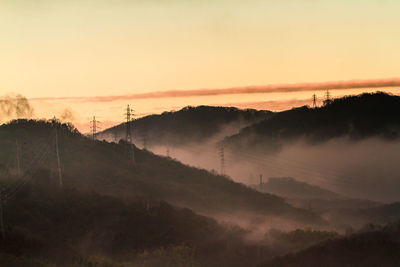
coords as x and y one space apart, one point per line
60 181
2 202
261 180
3 231
115 133
314 98
94 127
128 135
144 141
168 152
18 158
222 156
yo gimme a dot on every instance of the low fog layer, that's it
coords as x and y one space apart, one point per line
363 169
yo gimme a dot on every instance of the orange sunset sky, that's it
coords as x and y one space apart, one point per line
93 57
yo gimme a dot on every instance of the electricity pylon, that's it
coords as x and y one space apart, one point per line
327 97
222 157
314 99
94 127
130 153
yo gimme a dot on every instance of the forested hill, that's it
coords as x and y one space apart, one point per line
375 247
104 168
48 225
188 125
358 117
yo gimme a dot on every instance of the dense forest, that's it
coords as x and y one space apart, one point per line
105 168
188 125
107 206
375 246
356 117
70 200
65 227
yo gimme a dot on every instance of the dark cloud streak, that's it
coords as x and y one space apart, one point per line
278 88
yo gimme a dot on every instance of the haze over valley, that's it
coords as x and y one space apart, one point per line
245 133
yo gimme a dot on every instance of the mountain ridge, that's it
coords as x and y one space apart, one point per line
356 116
188 125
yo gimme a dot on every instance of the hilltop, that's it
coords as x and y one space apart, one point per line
188 125
357 117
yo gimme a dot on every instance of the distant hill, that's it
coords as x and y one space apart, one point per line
104 168
372 248
382 214
188 125
288 187
358 117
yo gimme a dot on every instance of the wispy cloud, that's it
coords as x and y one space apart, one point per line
276 88
276 105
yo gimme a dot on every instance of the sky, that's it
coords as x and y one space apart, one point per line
64 54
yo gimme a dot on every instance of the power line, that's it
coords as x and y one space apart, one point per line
144 141
6 196
115 134
277 162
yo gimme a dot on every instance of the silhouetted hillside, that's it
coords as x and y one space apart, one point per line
188 125
290 188
357 117
382 214
373 248
45 224
104 168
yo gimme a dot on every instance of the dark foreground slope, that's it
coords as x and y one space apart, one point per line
47 225
357 117
372 248
188 125
104 168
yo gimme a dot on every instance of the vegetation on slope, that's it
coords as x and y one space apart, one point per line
376 247
46 224
362 116
104 168
188 125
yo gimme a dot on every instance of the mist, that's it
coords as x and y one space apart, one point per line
358 169
14 106
67 115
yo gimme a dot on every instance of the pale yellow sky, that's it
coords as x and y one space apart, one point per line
56 48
